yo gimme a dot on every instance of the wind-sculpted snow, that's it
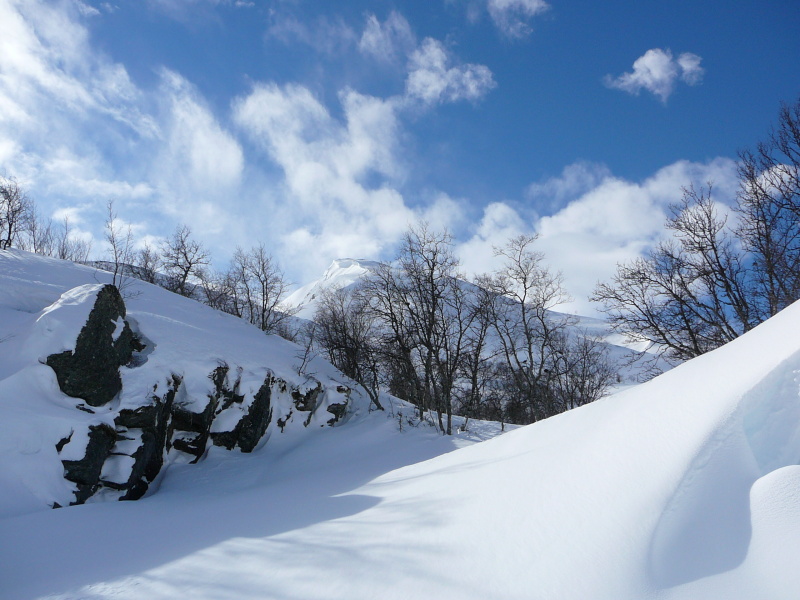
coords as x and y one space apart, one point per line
684 488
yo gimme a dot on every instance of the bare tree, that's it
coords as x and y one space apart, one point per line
255 288
423 313
478 358
120 247
348 335
69 246
183 260
713 282
529 332
15 210
583 370
146 263
768 203
690 294
40 237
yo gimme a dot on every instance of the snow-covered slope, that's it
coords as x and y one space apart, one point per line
686 487
201 378
343 273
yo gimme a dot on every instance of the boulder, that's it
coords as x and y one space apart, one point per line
104 344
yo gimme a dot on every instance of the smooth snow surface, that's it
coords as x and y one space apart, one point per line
686 487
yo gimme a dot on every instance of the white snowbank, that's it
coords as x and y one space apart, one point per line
686 487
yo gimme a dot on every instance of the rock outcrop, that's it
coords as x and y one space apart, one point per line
132 441
106 342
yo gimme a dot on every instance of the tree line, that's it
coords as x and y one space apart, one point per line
492 348
723 271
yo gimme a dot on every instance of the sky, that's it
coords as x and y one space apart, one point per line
324 129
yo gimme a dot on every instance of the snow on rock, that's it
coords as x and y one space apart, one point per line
98 394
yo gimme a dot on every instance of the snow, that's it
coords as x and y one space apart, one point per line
682 488
343 273
44 303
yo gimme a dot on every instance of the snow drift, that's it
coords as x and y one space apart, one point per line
685 487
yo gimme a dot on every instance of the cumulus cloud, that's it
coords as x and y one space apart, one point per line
658 72
612 220
387 41
512 17
338 199
576 179
432 79
499 223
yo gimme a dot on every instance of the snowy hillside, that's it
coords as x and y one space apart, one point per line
345 273
684 488
100 393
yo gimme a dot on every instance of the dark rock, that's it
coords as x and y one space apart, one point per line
63 442
91 370
252 426
187 421
85 473
337 410
306 401
154 421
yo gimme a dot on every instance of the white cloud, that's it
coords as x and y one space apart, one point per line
500 222
188 10
86 9
60 101
338 198
432 80
387 41
200 164
324 35
512 16
612 221
575 180
691 71
658 72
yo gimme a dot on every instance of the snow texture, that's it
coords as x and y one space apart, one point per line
683 488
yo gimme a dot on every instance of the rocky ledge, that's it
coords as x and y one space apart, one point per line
123 449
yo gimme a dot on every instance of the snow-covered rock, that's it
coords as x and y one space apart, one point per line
100 393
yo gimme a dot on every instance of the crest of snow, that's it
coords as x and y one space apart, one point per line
343 273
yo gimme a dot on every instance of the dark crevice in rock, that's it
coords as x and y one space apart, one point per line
85 473
252 426
64 441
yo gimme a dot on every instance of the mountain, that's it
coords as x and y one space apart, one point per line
631 358
685 487
344 273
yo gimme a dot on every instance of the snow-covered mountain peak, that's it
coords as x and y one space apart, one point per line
342 273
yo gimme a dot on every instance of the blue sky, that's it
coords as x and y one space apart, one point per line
324 128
